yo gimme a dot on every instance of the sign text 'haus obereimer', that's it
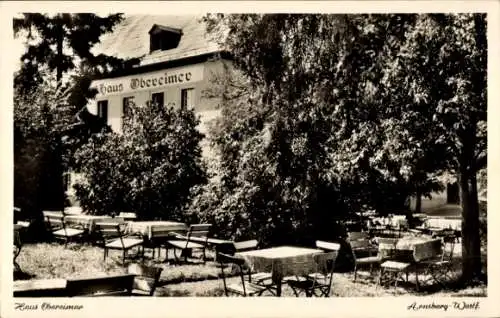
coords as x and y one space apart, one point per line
148 81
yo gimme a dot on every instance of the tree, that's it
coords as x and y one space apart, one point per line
62 43
39 120
149 168
442 64
297 101
49 38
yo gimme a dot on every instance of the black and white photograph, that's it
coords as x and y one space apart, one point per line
213 155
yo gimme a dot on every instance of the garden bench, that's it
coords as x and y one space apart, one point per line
40 288
114 285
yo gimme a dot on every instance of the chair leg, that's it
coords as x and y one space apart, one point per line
175 255
355 271
124 252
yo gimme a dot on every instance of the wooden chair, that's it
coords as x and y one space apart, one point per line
434 260
363 246
400 262
245 287
327 247
60 230
146 279
114 239
115 285
186 245
261 278
317 284
159 236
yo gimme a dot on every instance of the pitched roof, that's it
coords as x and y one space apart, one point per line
130 39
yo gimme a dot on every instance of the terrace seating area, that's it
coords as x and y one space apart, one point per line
386 251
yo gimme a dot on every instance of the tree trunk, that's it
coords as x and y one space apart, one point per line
471 253
418 203
60 40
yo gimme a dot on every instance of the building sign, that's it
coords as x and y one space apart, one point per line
148 81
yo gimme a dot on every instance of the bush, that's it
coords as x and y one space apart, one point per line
40 116
149 168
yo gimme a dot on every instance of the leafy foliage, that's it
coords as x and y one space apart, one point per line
49 37
345 109
40 118
149 168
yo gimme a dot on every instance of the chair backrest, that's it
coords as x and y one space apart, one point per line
109 230
386 247
159 232
355 236
146 278
428 250
198 230
360 244
128 215
246 245
57 213
115 285
225 259
329 246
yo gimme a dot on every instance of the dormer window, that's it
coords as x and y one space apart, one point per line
163 38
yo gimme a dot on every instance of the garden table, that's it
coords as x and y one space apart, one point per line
143 228
441 223
281 261
87 221
40 288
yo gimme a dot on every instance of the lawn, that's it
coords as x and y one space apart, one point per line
53 260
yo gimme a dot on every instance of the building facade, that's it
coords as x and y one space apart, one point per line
177 61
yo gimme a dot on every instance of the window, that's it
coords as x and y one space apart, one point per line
102 109
127 101
187 98
163 38
157 98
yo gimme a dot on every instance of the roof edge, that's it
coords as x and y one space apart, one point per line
168 64
165 28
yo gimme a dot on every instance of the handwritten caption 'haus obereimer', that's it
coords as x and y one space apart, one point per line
44 306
